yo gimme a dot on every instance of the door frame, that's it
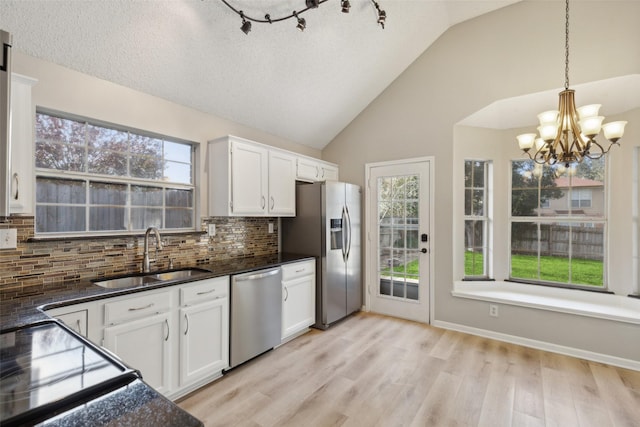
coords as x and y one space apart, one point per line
370 220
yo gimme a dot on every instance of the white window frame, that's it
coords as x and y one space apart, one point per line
486 219
556 219
88 177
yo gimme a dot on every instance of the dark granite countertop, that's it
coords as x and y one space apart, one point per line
21 306
135 404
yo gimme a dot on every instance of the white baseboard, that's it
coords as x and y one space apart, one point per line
542 345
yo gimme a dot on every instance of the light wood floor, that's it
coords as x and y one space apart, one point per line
373 370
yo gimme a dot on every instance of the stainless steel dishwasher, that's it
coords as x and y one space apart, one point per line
256 314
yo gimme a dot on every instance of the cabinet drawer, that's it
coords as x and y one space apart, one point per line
298 269
204 290
136 307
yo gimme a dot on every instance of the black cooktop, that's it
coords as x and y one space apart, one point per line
45 369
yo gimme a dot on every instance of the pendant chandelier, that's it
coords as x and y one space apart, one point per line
301 24
568 135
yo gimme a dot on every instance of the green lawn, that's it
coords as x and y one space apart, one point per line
553 269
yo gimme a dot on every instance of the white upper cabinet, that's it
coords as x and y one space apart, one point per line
282 183
21 198
312 170
250 179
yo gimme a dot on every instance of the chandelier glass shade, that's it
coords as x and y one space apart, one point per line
568 135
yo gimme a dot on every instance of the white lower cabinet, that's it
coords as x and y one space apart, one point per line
76 320
139 329
298 297
83 318
204 330
178 337
145 344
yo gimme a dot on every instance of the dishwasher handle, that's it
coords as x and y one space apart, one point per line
259 275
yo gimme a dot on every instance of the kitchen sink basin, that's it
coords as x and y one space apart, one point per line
178 274
127 282
149 278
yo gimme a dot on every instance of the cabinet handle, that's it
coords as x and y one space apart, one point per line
300 271
273 202
317 171
186 319
167 323
205 292
263 201
287 293
78 326
17 181
141 308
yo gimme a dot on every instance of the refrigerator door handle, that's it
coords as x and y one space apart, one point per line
348 233
344 235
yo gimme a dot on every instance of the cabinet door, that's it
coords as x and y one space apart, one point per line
145 344
22 143
76 320
328 173
307 170
282 184
249 177
204 340
298 307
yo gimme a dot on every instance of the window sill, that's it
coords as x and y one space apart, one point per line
603 306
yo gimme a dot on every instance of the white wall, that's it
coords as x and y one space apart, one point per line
510 52
69 91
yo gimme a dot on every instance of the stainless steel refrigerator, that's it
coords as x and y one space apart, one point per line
328 225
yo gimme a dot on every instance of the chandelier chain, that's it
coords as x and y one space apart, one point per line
566 47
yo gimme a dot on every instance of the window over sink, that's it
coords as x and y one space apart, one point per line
99 178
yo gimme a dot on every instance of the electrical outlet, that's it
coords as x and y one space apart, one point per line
493 310
270 227
9 238
211 230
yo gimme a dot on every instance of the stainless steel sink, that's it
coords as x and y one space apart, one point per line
178 274
150 278
126 282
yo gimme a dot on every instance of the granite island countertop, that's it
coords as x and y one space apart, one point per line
21 306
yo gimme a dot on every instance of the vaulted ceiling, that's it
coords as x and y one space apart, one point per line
301 86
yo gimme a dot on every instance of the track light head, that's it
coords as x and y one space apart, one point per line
345 6
312 4
302 23
246 25
382 15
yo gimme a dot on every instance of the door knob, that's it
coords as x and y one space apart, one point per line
423 250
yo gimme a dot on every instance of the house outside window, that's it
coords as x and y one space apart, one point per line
96 178
477 219
558 224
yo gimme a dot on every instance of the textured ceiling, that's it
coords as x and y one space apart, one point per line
305 87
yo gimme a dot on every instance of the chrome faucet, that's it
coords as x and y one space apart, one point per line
146 261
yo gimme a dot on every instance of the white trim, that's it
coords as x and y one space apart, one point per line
542 345
572 301
432 228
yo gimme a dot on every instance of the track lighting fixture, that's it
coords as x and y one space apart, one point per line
246 25
302 23
345 5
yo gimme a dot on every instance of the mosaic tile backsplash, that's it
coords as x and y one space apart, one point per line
43 262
